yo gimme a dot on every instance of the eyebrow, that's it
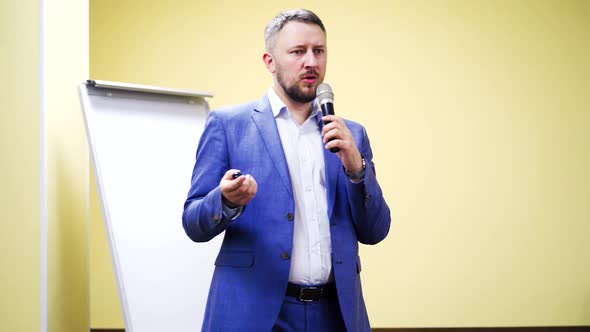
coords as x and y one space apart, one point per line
304 46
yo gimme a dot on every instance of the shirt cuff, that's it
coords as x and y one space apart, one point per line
230 213
357 176
358 179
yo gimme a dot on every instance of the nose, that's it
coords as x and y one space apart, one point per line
310 60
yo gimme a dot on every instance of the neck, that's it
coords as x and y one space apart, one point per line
299 111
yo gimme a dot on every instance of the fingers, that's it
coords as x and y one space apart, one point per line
343 145
245 192
251 186
247 181
335 133
238 191
229 174
229 183
333 122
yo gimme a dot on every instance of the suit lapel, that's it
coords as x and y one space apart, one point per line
265 122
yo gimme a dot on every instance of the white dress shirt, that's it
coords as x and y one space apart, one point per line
304 151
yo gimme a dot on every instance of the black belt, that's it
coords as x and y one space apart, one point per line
311 293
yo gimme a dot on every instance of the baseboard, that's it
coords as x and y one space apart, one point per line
455 329
488 329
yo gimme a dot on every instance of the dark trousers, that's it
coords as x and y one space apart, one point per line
319 316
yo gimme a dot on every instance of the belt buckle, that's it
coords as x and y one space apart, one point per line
309 294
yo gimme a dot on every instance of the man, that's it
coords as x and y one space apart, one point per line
289 259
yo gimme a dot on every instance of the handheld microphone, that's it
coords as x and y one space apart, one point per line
325 98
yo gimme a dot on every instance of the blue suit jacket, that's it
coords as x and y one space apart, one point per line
251 270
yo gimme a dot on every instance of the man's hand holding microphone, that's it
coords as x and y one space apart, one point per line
337 137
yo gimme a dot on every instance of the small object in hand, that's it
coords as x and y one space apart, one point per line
236 175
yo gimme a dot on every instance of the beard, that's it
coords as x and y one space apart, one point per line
295 92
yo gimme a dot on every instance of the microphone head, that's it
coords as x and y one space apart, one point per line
324 94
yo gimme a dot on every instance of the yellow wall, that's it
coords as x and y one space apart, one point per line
66 58
105 308
20 168
64 164
478 113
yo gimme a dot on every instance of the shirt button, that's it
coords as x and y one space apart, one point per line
308 189
290 216
367 197
285 255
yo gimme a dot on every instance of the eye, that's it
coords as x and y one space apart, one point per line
296 52
319 51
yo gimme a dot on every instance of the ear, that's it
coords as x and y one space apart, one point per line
269 61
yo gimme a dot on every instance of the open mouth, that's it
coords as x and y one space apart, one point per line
310 78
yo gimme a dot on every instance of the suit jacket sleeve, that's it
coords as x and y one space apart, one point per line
370 213
203 216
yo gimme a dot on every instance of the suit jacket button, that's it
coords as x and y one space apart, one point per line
290 216
285 255
216 218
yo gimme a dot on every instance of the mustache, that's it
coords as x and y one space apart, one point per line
310 72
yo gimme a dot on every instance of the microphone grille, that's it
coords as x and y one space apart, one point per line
324 93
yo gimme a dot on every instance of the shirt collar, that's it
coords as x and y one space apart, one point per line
278 106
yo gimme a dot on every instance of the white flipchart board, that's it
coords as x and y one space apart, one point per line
143 142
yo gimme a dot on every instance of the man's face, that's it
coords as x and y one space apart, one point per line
298 60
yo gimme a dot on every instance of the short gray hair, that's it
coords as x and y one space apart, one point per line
279 21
